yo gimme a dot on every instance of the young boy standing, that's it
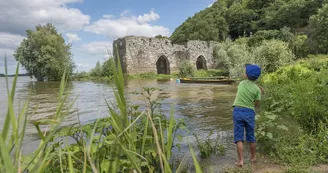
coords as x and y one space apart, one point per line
248 96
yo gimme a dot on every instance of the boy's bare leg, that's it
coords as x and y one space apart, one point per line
240 153
253 151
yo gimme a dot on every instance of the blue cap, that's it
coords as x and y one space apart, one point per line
253 71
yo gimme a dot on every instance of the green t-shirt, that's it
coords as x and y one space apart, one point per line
248 92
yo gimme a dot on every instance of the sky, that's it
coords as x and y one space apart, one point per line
90 26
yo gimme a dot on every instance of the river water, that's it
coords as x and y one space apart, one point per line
204 108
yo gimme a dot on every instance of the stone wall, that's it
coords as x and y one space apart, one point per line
145 54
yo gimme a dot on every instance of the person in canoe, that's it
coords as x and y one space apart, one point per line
247 98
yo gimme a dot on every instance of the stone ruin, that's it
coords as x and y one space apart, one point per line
144 54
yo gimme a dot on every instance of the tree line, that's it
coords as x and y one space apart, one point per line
305 19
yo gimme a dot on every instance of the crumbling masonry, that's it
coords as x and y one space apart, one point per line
158 55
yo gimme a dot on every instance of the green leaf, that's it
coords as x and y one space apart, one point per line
104 165
282 127
269 135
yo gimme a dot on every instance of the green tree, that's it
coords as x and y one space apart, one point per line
44 53
319 25
270 55
186 69
161 36
207 25
96 71
290 13
107 69
240 20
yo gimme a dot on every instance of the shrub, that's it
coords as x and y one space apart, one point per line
233 56
186 69
295 98
270 55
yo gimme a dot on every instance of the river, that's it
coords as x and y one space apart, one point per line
204 108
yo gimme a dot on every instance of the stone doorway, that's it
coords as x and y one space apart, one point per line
201 63
163 65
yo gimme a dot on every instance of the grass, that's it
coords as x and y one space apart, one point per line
210 73
152 75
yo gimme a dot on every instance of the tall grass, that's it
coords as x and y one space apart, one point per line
13 133
124 142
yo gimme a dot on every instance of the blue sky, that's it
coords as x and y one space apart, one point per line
91 25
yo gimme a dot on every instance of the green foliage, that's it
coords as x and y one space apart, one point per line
293 14
106 68
186 69
240 20
96 71
103 71
295 98
206 25
270 55
284 34
44 54
161 37
210 73
152 75
207 147
318 23
81 75
232 56
236 18
13 133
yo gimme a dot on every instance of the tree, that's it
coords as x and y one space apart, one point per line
97 71
319 34
161 36
240 20
236 18
107 69
207 25
44 53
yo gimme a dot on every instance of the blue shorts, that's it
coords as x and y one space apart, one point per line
243 118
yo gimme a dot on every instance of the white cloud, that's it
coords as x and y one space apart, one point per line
128 25
18 15
8 44
72 37
152 16
10 41
98 49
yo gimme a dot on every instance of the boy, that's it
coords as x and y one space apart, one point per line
248 96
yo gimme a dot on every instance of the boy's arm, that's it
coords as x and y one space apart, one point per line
258 99
262 89
257 106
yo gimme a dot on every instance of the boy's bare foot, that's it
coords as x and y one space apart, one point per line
252 160
239 164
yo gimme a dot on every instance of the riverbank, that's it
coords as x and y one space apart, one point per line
150 76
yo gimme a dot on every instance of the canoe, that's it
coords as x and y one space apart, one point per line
206 80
